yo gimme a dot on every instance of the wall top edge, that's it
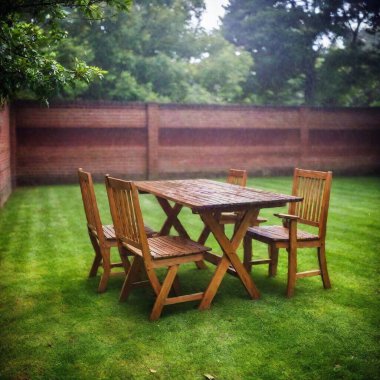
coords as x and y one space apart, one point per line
141 105
78 104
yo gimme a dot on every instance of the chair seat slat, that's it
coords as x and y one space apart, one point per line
278 233
173 246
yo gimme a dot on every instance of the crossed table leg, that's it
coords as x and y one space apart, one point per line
228 247
173 221
229 256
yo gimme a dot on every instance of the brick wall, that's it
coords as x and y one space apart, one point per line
151 140
5 155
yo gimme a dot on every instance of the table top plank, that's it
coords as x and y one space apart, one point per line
203 195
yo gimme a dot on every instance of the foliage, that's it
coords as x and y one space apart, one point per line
287 40
157 52
55 326
223 69
268 52
29 35
350 77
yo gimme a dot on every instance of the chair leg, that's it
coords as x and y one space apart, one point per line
124 259
163 294
247 244
323 267
106 254
132 276
273 255
292 271
97 259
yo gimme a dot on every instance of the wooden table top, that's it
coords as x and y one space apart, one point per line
203 195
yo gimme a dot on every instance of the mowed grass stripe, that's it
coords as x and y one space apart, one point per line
54 325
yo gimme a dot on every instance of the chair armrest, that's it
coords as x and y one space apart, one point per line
288 220
287 216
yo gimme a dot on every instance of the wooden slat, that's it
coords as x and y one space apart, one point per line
260 261
117 265
177 260
237 177
173 246
204 195
212 258
278 233
109 232
185 298
308 273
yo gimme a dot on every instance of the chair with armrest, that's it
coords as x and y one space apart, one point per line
314 187
149 253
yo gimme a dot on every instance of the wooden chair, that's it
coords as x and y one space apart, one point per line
234 177
314 187
149 253
102 236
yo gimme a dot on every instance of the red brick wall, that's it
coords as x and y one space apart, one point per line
5 155
150 140
102 138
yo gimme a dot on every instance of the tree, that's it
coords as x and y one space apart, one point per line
290 41
157 52
145 52
223 69
349 72
30 31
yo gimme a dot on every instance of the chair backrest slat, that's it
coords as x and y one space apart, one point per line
89 202
126 214
237 177
314 187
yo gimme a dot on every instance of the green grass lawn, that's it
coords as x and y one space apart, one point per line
54 325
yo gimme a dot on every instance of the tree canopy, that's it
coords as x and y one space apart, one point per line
30 32
278 52
302 47
158 52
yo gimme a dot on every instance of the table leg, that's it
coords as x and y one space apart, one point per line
172 218
173 221
206 232
229 256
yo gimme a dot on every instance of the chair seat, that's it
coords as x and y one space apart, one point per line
109 232
278 234
231 218
162 247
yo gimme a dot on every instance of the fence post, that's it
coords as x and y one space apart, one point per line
153 126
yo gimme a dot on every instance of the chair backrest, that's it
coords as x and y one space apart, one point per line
314 187
237 177
126 214
91 210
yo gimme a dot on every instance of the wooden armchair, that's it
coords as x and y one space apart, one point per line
149 253
314 187
234 177
102 236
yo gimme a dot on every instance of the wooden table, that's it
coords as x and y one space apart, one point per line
208 199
